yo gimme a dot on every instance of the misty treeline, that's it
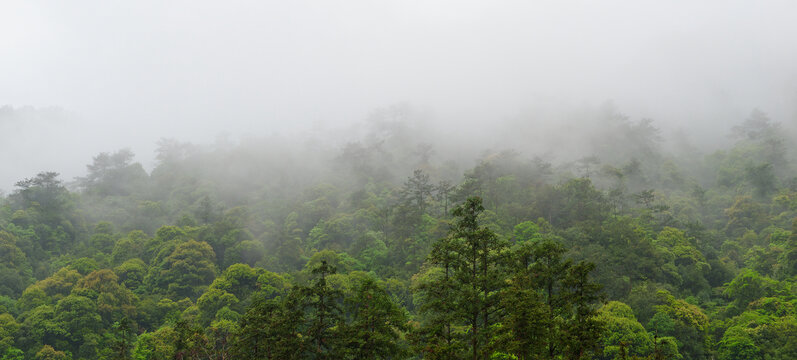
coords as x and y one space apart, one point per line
403 244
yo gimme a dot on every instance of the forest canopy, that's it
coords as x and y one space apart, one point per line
392 247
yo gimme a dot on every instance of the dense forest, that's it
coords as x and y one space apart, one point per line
395 246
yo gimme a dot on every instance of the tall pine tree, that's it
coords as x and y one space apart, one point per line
472 257
377 324
323 304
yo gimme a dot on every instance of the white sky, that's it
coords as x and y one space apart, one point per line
130 72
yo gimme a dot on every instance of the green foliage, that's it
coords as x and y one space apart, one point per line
131 273
745 214
113 175
123 337
114 301
161 344
130 247
746 287
186 271
623 331
271 328
698 249
15 270
471 260
8 331
48 353
737 344
325 314
524 328
690 325
377 323
80 320
526 231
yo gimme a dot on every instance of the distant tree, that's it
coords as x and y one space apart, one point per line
586 164
443 192
417 190
756 126
44 190
113 174
762 177
579 201
737 344
747 287
745 214
13 353
46 207
689 325
130 247
103 238
645 197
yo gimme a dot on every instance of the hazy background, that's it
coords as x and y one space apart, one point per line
82 77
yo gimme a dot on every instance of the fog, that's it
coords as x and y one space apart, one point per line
82 77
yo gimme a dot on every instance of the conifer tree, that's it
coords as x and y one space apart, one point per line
376 325
436 338
523 329
479 273
549 306
325 314
123 339
271 328
254 328
583 329
473 259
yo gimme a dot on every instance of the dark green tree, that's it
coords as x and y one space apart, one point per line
474 258
376 326
549 268
272 328
417 190
186 271
523 328
436 338
583 329
324 314
549 308
124 336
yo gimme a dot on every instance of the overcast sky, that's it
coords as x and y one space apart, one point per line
130 72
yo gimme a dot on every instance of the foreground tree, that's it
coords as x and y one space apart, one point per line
472 258
549 306
325 313
270 329
376 326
